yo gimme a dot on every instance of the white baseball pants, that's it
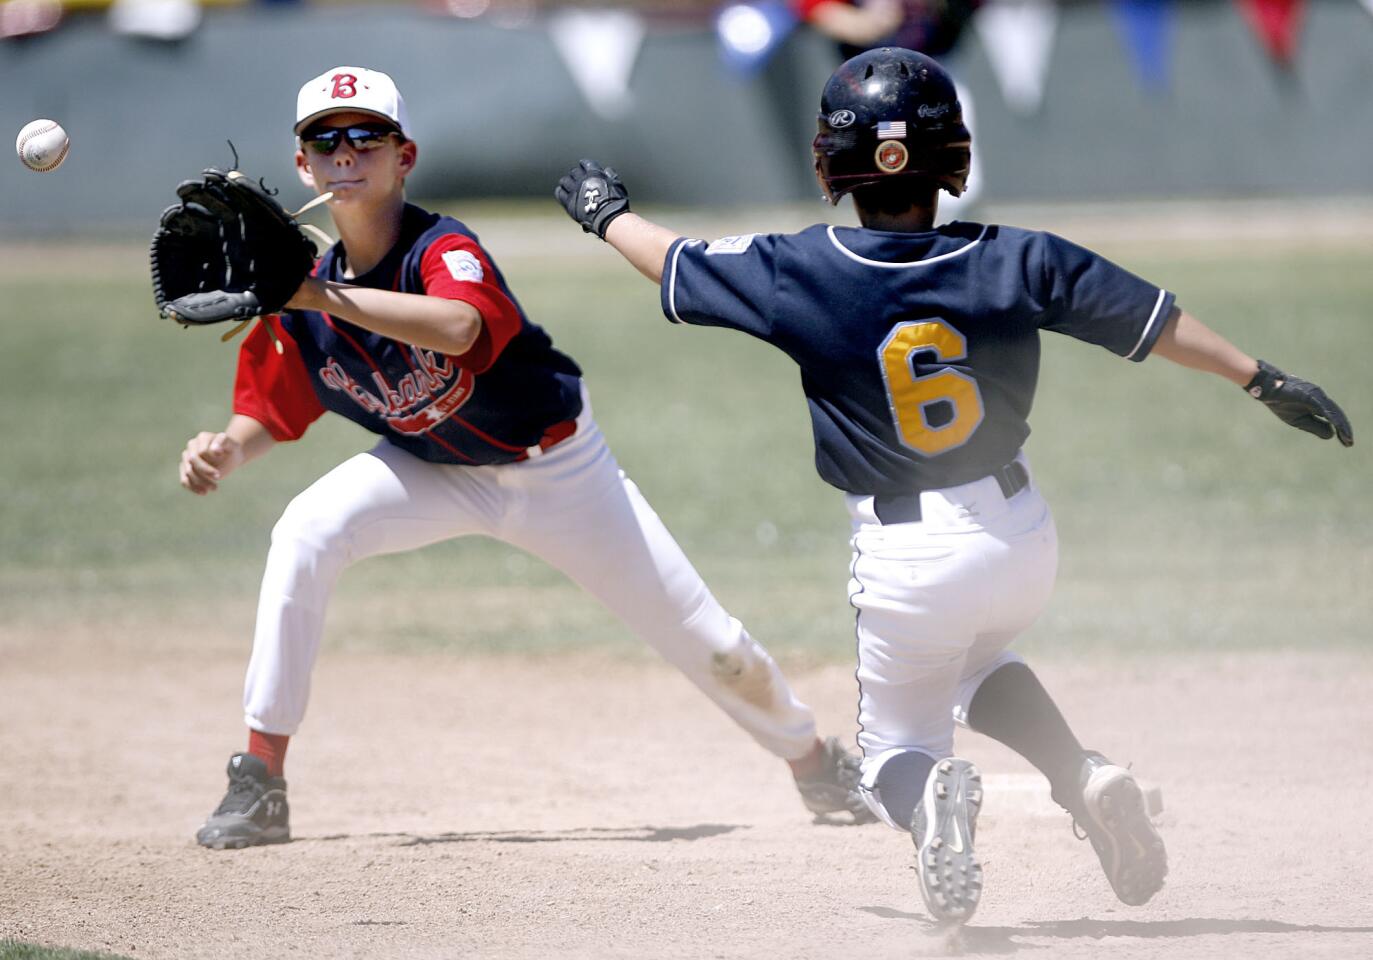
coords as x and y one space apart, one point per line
938 602
571 506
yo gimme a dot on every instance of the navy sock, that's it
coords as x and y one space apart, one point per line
901 783
1012 707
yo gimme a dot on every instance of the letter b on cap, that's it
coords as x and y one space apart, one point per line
345 86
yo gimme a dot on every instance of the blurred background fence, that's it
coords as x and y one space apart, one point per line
1071 101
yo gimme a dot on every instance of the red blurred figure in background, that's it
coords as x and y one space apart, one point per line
932 27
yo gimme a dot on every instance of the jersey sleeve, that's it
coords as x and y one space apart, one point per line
455 267
1092 299
728 283
274 388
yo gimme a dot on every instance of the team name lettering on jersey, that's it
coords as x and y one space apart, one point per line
419 401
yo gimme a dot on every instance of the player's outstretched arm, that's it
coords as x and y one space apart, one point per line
1189 342
433 323
595 197
643 243
210 457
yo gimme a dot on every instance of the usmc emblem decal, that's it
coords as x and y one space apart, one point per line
892 156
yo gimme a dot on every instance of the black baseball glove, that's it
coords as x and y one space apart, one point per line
1299 403
227 251
834 790
593 196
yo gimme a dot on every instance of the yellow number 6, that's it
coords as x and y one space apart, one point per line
912 397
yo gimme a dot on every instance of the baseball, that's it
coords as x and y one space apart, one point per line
42 145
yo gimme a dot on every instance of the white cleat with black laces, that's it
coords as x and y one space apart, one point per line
253 811
1115 818
942 828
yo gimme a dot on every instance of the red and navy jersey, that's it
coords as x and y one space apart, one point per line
509 392
919 352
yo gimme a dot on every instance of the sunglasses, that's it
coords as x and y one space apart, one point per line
325 141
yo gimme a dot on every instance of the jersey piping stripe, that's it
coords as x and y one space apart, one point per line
672 280
1153 318
834 239
358 347
449 447
487 437
857 637
405 349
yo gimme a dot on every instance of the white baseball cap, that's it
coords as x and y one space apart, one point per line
351 89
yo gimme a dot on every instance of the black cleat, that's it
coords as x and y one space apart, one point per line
253 812
942 828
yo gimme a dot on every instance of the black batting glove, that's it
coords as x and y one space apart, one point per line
593 196
1299 403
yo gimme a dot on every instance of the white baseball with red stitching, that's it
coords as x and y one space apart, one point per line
42 145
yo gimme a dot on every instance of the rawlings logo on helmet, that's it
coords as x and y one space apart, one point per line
840 119
933 111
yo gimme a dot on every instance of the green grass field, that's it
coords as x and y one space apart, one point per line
1189 516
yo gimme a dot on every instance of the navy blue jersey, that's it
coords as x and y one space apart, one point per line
919 352
510 391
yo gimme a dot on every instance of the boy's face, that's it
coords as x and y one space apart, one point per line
358 156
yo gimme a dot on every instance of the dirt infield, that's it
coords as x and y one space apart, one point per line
580 807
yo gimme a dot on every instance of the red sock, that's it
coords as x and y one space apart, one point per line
270 748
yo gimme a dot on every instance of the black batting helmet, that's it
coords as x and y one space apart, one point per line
887 113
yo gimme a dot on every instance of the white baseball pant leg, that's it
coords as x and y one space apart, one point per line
382 501
571 506
938 602
575 509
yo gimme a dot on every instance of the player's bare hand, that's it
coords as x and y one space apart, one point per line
207 460
1300 403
